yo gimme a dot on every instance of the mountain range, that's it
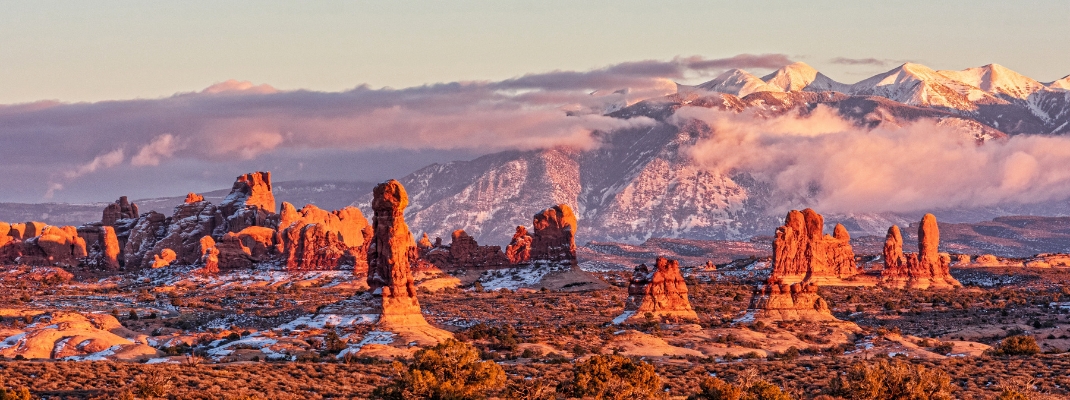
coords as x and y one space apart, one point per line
641 183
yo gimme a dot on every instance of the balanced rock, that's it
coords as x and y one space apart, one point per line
553 237
776 301
660 292
391 255
803 252
925 269
519 249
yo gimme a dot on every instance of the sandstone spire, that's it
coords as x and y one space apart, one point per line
928 268
660 291
554 235
390 257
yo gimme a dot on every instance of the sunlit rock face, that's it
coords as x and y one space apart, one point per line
926 269
391 255
802 252
795 302
659 291
553 236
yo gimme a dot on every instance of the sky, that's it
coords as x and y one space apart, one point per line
153 98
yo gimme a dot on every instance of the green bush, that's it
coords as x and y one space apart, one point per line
450 370
613 377
1019 345
888 380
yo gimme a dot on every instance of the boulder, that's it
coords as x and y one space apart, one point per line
802 252
165 258
926 269
660 292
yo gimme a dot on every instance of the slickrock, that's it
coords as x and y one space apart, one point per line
519 249
802 252
660 291
314 239
926 269
59 335
465 252
553 236
250 203
777 301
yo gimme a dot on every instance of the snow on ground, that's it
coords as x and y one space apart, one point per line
249 342
373 337
320 321
623 317
516 278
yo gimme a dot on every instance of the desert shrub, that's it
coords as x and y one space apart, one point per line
153 383
450 370
529 389
944 348
717 389
1018 345
613 377
1012 395
15 394
334 343
888 380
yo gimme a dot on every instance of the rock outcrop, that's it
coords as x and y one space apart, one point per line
660 292
802 252
250 203
553 236
776 301
464 252
391 256
120 209
67 335
193 198
519 249
314 239
926 269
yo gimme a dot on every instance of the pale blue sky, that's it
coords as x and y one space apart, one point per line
100 50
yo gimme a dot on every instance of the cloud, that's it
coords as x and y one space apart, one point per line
825 162
877 62
237 120
162 147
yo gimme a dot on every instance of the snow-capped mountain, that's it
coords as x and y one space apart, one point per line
998 81
737 82
918 85
801 77
1063 84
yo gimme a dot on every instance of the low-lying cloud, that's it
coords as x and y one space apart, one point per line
237 120
826 162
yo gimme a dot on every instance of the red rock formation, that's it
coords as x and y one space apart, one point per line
193 198
928 268
781 302
58 245
120 209
553 238
465 252
803 252
110 247
209 257
660 292
250 203
165 258
141 238
391 255
519 249
312 238
424 244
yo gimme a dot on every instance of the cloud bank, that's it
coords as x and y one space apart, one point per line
828 163
237 120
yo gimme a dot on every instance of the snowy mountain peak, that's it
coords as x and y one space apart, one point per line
792 77
1063 84
997 80
918 85
737 82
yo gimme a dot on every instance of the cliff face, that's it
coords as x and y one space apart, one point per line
926 269
802 252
